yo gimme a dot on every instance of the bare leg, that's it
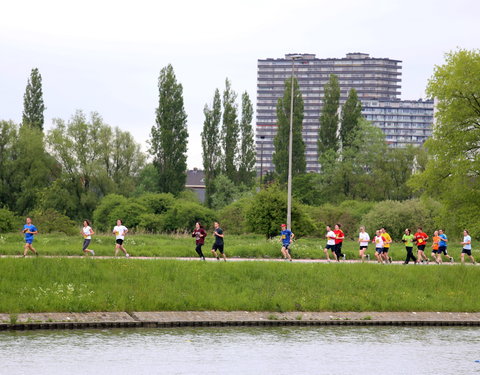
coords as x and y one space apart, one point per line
326 254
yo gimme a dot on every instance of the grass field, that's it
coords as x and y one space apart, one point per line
85 284
250 246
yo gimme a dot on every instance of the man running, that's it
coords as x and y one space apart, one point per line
421 240
363 239
442 246
120 231
379 240
339 237
87 237
199 233
330 243
218 244
29 231
386 245
286 236
407 239
467 247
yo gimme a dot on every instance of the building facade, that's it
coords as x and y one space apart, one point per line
377 81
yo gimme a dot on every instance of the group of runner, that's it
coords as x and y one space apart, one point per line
335 238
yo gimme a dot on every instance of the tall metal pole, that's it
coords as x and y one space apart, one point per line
290 146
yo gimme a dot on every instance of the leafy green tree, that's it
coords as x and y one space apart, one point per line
351 115
33 106
211 145
8 137
327 134
225 192
281 140
168 139
230 132
246 167
452 171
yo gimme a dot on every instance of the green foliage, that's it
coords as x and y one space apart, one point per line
246 162
211 151
188 195
51 221
225 192
307 189
8 221
103 213
327 134
230 132
452 171
184 214
157 203
169 136
233 216
33 106
268 210
151 223
130 214
351 114
396 216
147 181
281 140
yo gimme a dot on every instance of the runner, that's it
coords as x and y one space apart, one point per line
30 231
330 243
363 239
435 245
120 231
87 235
421 239
286 238
407 239
442 246
386 245
379 240
218 244
467 247
199 233
339 237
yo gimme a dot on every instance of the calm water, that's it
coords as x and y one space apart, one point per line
289 350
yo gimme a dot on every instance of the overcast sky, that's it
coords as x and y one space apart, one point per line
106 56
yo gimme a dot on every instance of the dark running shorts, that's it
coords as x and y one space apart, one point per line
218 247
467 251
442 249
379 250
119 241
385 250
286 246
86 242
363 247
330 247
421 247
434 251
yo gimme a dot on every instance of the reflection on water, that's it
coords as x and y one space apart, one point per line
286 350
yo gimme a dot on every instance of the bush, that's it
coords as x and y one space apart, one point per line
268 210
9 222
395 216
151 223
183 215
101 215
232 216
156 203
129 213
51 221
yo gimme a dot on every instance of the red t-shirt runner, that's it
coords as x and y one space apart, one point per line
421 238
338 233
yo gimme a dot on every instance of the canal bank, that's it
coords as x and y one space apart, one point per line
166 319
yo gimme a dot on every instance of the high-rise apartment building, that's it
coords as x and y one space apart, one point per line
377 81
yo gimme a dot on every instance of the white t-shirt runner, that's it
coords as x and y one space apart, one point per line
331 238
120 231
86 232
379 241
364 237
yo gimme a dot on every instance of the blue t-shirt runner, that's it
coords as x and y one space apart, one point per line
286 238
27 228
442 242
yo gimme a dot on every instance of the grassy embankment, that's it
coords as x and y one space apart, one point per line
77 285
250 246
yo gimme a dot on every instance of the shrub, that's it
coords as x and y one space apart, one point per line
50 221
183 215
129 213
8 221
232 216
151 223
101 215
156 203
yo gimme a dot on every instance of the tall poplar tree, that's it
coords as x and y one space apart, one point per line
211 147
327 134
351 114
230 132
246 165
169 137
33 106
281 140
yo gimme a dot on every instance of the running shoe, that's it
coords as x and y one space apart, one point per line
93 253
344 257
127 255
452 260
368 257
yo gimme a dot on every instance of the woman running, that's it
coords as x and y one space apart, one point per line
379 241
407 239
363 239
199 233
467 247
87 237
120 231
